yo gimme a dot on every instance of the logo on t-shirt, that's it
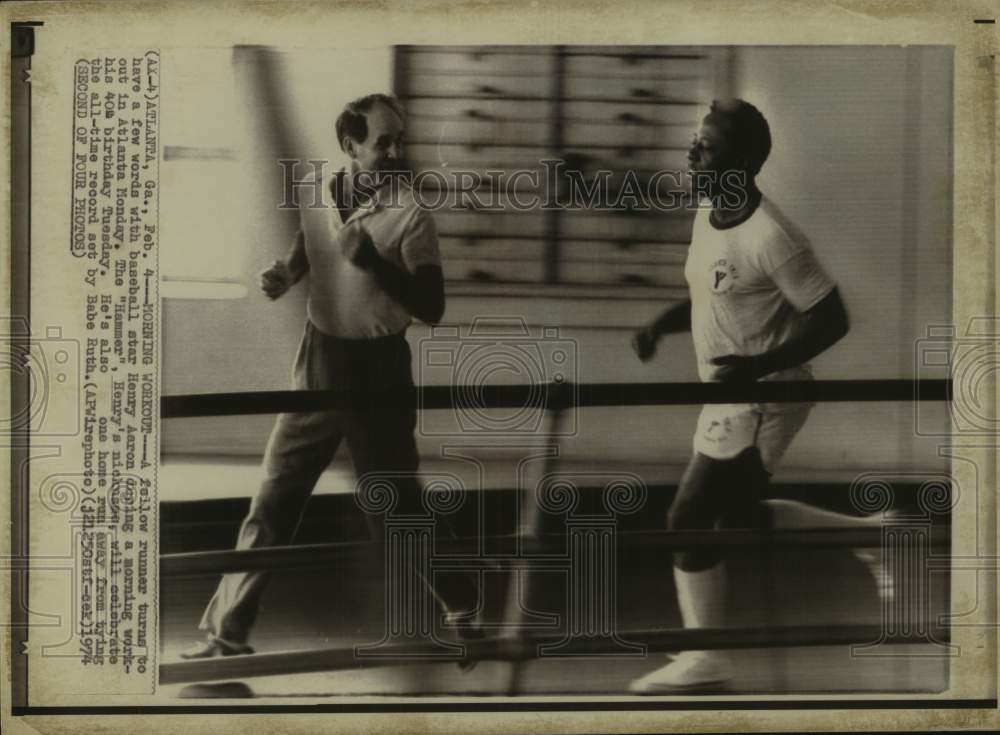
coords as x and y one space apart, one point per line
722 275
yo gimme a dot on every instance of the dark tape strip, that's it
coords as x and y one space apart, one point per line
557 396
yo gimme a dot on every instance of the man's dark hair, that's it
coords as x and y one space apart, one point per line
351 121
751 135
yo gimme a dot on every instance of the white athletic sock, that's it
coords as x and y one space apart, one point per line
702 597
793 514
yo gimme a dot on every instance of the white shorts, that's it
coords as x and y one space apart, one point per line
726 429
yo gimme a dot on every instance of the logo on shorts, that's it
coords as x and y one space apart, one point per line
718 431
723 275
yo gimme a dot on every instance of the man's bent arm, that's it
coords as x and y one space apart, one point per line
675 319
296 261
826 324
420 293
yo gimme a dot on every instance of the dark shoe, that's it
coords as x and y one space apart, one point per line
225 690
469 627
215 647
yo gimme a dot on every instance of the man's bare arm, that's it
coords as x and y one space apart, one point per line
826 324
421 293
675 319
297 262
281 275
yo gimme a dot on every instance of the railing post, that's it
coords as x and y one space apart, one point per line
521 588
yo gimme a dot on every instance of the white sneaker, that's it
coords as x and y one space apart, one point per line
213 647
688 670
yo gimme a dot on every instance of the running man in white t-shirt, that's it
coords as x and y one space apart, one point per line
761 306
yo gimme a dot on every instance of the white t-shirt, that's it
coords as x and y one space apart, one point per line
344 300
749 286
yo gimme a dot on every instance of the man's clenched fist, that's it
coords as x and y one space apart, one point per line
644 343
275 279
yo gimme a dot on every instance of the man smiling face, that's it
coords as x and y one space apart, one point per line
714 153
381 148
731 145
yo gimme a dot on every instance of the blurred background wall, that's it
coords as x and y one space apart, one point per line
861 162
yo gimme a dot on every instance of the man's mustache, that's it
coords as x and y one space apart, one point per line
397 170
366 183
400 164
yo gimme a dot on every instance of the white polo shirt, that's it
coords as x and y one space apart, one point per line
749 286
344 300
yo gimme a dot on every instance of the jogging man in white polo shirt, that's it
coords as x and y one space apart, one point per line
761 306
373 266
